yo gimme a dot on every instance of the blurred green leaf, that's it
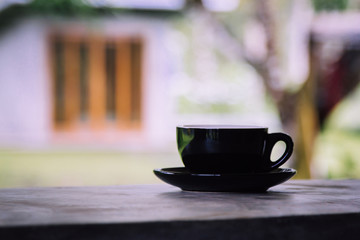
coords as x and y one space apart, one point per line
330 5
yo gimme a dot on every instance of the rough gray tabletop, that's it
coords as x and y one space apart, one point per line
33 208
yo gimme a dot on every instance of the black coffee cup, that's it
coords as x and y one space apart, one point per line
230 148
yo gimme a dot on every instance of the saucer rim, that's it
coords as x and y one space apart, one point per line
222 126
180 172
249 182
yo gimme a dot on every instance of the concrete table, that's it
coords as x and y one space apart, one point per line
298 209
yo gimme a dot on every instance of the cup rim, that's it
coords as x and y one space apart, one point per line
220 126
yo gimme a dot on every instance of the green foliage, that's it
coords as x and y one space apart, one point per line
10 14
337 154
61 7
337 150
329 5
66 8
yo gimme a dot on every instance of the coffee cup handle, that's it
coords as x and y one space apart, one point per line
272 139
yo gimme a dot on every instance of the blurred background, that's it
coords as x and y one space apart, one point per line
91 90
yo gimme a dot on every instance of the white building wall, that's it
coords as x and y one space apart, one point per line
24 89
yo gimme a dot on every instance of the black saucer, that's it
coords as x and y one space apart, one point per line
248 182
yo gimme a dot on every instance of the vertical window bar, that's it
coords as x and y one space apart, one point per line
110 53
59 81
84 82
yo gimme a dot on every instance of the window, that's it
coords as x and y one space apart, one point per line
96 82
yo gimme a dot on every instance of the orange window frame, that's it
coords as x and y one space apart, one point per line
94 77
